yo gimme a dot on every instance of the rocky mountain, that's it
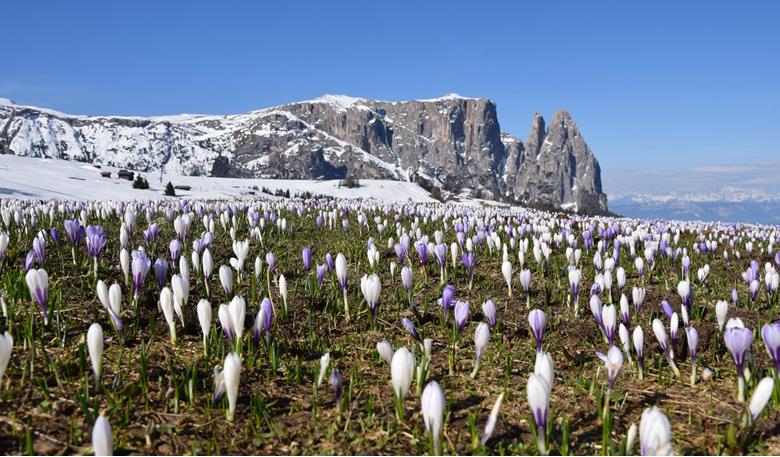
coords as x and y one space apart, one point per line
452 143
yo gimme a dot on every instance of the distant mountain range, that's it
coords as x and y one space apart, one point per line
451 144
726 205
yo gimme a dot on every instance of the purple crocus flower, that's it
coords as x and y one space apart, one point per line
777 259
270 259
409 326
175 248
161 272
441 254
771 336
96 240
321 269
264 321
667 308
537 319
29 261
39 248
447 296
140 265
74 230
150 234
734 296
489 310
55 235
399 252
306 255
595 309
422 251
468 261
692 335
461 314
329 262
738 341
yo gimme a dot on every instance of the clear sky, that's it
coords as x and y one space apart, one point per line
650 84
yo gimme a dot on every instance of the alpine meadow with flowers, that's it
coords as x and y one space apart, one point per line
318 325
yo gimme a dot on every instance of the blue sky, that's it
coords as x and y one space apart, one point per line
651 84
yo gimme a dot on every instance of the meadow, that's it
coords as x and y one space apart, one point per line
329 326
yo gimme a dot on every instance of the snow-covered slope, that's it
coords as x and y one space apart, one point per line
23 177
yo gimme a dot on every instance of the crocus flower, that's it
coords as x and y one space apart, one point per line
321 269
692 335
102 437
638 338
161 272
506 270
204 318
74 230
95 349
760 397
167 306
770 333
96 240
433 404
468 260
734 296
738 341
574 283
226 279
283 291
539 401
525 282
624 310
175 248
341 275
481 339
489 310
324 365
401 375
371 286
263 322
307 257
667 308
447 297
660 335
609 322
595 310
38 284
655 433
140 266
613 361
39 249
721 313
385 351
638 295
537 320
411 329
461 314
674 324
490 425
6 347
624 340
406 280
231 375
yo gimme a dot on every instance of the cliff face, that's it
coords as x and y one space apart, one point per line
452 142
